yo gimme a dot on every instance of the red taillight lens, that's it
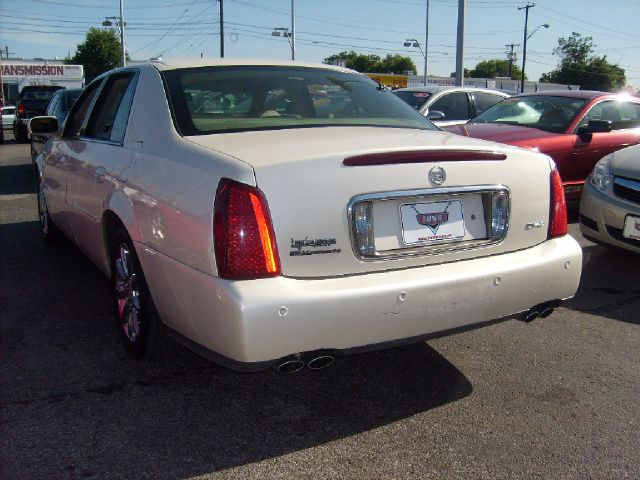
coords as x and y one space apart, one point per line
558 213
245 243
21 109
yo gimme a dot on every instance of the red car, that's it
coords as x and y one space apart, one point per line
575 127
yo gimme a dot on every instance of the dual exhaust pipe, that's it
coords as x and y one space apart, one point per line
294 364
539 311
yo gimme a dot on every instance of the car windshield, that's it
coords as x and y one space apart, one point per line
208 100
413 98
544 112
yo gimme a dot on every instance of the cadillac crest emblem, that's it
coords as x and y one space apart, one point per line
437 176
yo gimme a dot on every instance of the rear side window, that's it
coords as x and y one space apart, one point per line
455 106
53 104
484 100
108 119
413 98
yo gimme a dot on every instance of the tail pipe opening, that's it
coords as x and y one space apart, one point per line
540 311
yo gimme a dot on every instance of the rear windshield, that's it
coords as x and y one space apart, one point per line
70 98
208 100
413 98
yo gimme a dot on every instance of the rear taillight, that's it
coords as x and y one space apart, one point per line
244 240
558 208
21 109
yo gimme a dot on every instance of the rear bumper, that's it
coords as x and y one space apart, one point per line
264 320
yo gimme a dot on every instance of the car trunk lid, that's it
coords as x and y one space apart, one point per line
317 180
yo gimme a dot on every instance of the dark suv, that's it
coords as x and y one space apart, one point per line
32 101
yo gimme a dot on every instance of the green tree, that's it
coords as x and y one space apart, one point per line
496 68
373 63
397 64
578 66
99 52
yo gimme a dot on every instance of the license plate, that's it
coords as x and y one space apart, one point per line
432 222
631 227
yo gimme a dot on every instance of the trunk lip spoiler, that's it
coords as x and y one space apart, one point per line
423 156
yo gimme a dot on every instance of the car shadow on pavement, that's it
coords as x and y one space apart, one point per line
74 405
16 179
609 284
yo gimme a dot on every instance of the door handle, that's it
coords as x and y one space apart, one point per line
99 174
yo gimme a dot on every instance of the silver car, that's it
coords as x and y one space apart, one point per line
610 205
8 113
446 106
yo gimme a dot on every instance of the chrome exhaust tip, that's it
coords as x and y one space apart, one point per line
530 316
318 363
290 366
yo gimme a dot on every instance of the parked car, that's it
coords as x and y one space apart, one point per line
59 105
260 233
610 205
575 128
450 105
31 102
8 113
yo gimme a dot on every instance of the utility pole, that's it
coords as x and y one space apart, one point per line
426 45
462 6
293 31
221 28
524 44
511 56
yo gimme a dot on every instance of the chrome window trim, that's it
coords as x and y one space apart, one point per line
427 194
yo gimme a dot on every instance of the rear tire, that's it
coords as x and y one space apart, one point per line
139 325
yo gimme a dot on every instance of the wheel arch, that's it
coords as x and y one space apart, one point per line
119 213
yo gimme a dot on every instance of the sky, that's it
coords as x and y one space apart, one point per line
190 28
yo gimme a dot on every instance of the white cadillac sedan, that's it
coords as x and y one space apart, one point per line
279 214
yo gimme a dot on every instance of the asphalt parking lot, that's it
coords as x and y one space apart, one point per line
557 398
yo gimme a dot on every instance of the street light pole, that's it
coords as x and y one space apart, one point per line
293 32
124 51
462 6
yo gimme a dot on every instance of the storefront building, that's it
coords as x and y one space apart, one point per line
16 74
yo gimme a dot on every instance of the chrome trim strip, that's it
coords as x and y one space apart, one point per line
427 194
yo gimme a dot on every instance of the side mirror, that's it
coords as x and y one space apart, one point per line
435 115
594 126
45 126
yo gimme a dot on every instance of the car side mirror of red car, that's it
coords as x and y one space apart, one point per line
435 115
594 126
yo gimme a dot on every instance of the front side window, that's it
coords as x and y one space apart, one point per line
621 114
485 100
222 99
544 112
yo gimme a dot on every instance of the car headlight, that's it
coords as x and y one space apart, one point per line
600 175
